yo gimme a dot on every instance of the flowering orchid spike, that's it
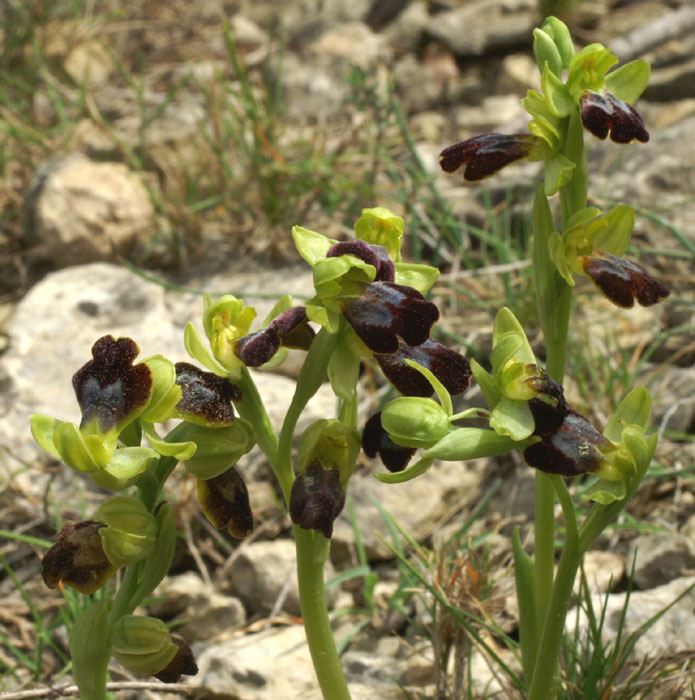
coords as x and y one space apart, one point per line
485 155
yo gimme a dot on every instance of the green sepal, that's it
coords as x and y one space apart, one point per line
558 172
512 417
413 471
198 351
439 389
344 371
544 124
557 96
420 277
628 82
155 567
90 648
462 444
605 492
142 644
180 450
319 314
560 34
310 245
583 217
380 226
218 448
506 323
43 430
165 392
414 421
634 409
615 236
128 462
487 384
83 453
546 52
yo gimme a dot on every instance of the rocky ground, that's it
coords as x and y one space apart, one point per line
151 133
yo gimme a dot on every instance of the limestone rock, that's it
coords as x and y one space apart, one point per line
660 558
264 575
80 211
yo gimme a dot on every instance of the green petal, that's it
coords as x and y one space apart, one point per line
165 393
180 450
128 462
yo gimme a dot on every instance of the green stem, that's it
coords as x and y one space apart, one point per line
312 552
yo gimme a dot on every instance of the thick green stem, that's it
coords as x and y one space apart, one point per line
312 552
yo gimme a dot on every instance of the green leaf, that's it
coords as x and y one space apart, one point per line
526 597
420 277
628 82
311 246
512 417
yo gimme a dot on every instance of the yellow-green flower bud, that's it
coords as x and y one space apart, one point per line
414 421
380 226
142 644
131 530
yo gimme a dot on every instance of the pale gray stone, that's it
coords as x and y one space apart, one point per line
264 576
660 558
80 211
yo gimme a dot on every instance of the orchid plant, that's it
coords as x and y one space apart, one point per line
368 305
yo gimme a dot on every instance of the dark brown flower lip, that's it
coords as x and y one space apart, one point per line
289 329
486 154
451 368
109 388
317 499
604 114
623 281
225 502
206 399
386 312
376 441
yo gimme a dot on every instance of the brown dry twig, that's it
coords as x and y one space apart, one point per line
67 691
